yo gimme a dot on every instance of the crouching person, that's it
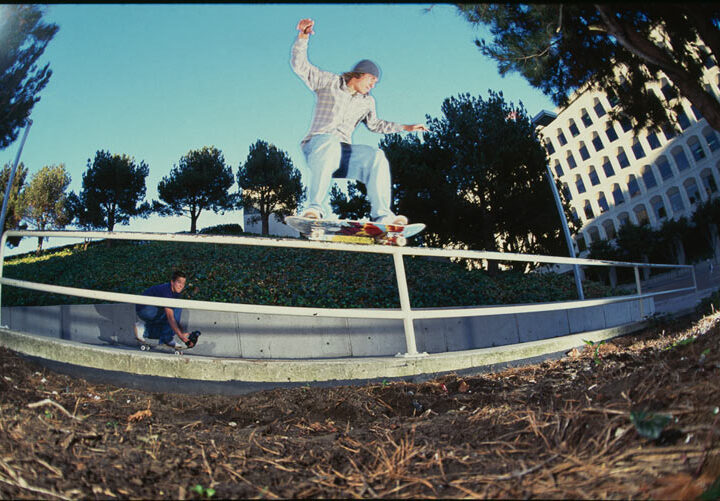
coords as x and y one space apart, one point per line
158 322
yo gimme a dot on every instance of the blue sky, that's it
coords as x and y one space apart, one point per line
156 81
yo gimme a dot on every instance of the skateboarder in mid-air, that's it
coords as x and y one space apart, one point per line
342 102
161 323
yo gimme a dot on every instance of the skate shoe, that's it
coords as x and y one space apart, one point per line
391 219
312 214
139 329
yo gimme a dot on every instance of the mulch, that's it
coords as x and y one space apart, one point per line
633 418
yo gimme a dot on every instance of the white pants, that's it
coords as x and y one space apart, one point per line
326 156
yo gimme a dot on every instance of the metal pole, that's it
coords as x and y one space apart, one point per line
3 239
12 176
638 284
566 229
411 346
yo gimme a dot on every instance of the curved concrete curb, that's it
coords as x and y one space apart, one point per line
134 362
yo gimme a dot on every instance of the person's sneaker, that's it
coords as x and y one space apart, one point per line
391 219
139 329
312 214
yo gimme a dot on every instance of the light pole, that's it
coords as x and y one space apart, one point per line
568 239
10 179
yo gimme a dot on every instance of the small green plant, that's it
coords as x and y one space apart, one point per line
649 424
682 342
48 414
206 492
596 353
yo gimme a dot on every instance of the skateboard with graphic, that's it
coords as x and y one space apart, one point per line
147 344
346 230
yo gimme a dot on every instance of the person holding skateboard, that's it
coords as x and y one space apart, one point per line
158 322
342 102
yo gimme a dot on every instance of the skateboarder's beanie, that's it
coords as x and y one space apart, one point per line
367 66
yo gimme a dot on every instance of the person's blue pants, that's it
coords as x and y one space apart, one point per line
327 158
156 322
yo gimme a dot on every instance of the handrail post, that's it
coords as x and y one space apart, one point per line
694 277
638 284
3 240
410 344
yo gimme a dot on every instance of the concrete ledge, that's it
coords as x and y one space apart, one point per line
292 337
282 371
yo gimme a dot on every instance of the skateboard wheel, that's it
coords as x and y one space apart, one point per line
401 241
144 347
316 233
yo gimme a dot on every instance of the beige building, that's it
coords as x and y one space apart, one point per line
611 176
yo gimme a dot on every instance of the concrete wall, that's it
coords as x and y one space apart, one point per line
259 336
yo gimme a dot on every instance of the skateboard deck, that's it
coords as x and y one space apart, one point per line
346 230
148 344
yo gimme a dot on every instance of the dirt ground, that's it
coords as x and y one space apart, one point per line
568 428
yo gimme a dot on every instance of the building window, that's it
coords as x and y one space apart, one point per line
658 207
609 228
602 203
579 184
633 187
597 142
709 60
696 148
608 168
625 124
675 200
711 138
558 169
584 154
593 234
622 158
610 133
598 107
641 214
549 146
668 91
693 193
696 112
574 216
638 149
664 168
681 160
561 138
623 219
683 120
708 182
669 131
588 210
617 195
612 98
571 160
566 192
594 179
653 141
648 177
573 128
581 245
585 117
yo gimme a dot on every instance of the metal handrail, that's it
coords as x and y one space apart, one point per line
405 312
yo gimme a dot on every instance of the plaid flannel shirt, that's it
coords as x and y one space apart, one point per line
337 110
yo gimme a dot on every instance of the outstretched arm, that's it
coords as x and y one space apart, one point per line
415 128
175 327
313 77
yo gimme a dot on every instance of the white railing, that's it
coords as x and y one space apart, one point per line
406 313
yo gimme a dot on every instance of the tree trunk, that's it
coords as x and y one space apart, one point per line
679 250
39 247
714 242
612 275
265 218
